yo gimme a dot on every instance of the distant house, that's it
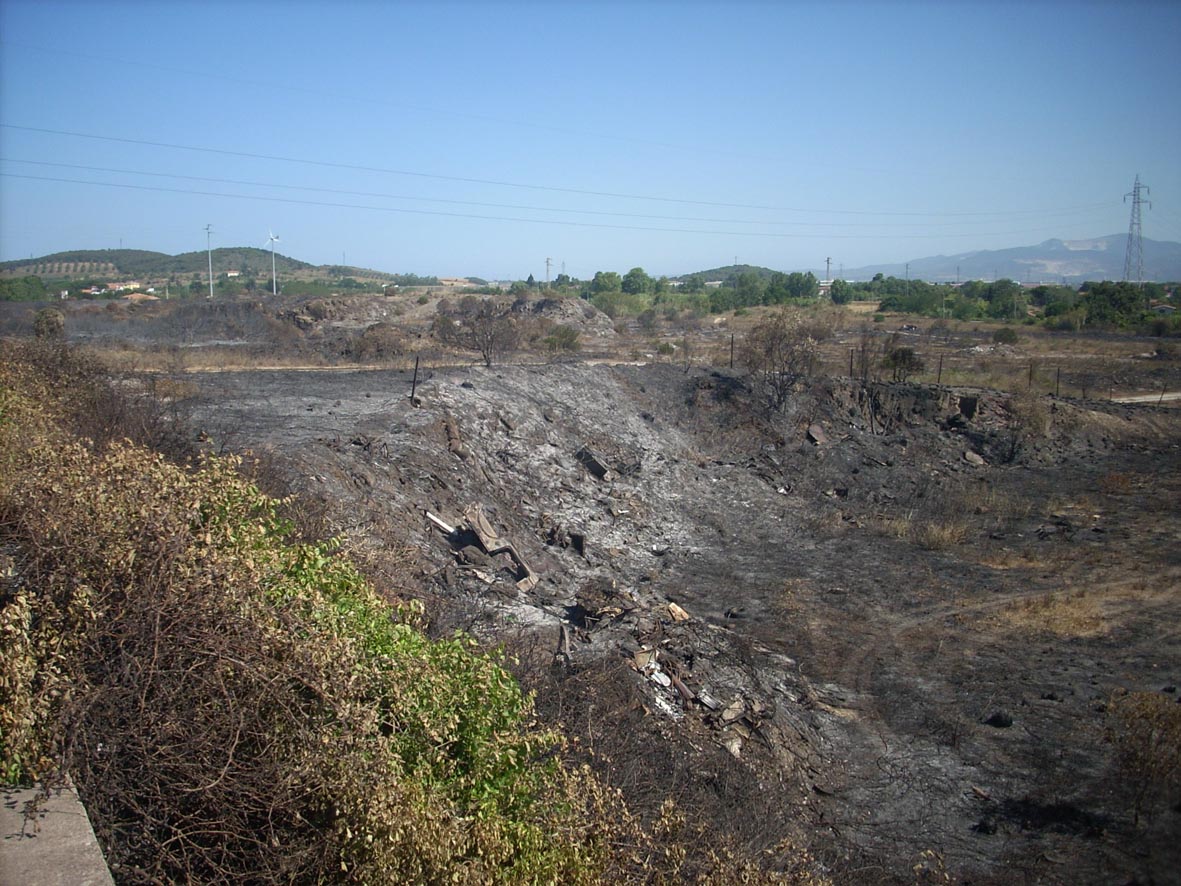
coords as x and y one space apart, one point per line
1163 309
233 273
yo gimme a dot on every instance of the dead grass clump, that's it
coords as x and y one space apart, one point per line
939 536
1145 728
1069 614
932 534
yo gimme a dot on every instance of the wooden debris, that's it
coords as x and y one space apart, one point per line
597 467
685 693
677 612
490 541
446 529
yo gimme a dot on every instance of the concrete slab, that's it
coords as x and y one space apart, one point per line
55 847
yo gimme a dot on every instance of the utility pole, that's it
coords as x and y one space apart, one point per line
209 249
548 262
828 269
908 279
1134 257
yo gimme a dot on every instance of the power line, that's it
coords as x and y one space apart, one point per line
524 185
517 206
537 221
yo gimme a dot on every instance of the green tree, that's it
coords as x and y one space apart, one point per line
22 289
606 281
840 292
748 288
636 282
1006 298
1112 304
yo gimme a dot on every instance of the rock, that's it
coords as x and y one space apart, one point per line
974 458
816 435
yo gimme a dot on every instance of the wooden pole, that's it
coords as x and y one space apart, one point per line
1057 380
850 363
939 377
414 383
731 350
1031 375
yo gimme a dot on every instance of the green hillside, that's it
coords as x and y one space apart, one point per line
728 271
115 263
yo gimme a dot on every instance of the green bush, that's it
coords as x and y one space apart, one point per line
1006 335
563 339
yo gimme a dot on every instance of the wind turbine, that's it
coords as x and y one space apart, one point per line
274 279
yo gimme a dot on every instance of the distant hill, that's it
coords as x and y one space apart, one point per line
728 271
115 263
1052 261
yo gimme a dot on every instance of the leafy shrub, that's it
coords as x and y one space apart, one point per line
563 339
1006 335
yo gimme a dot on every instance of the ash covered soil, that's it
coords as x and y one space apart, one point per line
898 613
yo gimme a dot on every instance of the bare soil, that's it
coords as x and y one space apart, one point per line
905 619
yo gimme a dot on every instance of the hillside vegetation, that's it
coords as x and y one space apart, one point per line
235 704
145 263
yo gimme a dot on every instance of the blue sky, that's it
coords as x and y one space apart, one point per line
481 138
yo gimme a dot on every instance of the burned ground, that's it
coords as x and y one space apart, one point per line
907 606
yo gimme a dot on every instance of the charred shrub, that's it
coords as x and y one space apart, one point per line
778 353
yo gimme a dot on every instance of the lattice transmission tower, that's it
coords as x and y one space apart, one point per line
1134 257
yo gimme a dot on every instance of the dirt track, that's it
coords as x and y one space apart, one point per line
880 653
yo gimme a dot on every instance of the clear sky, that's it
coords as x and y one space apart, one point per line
482 138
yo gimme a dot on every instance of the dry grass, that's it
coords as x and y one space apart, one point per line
929 534
1064 614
